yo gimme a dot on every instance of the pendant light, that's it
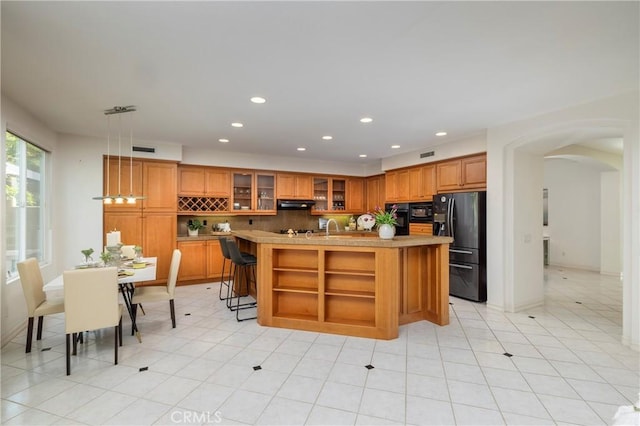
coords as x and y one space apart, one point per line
109 198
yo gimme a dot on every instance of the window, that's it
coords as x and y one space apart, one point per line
25 186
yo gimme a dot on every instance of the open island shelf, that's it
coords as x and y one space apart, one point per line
361 287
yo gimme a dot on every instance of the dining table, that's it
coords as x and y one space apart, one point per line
128 275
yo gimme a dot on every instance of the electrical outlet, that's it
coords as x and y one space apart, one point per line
250 221
204 222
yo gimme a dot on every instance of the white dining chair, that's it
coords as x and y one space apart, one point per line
156 293
91 303
37 304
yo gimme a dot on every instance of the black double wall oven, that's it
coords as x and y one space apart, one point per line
402 217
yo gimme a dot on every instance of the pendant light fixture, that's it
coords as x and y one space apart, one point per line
109 198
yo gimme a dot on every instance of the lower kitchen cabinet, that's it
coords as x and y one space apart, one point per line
201 261
193 265
421 229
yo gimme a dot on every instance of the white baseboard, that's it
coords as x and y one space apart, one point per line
7 337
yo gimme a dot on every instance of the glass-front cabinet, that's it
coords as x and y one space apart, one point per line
266 192
329 195
253 192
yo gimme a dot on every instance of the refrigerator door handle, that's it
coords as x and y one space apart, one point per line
460 251
451 210
455 265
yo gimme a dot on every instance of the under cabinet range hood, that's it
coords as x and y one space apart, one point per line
295 204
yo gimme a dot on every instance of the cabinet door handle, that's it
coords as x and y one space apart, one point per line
460 251
455 265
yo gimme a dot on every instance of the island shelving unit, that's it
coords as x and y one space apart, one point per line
352 285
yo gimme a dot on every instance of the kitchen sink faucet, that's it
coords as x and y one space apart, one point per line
329 223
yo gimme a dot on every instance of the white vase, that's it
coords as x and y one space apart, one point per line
386 231
193 232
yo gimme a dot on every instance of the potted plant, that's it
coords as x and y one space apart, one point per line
386 221
194 226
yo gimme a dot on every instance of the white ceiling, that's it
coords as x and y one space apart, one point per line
415 67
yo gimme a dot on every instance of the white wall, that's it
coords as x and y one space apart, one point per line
574 213
13 308
472 144
527 246
610 224
617 116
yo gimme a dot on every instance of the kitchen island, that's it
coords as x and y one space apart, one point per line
349 284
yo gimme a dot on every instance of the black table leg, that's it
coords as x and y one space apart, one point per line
127 293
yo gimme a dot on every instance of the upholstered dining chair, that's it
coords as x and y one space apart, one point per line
91 303
128 251
157 293
37 305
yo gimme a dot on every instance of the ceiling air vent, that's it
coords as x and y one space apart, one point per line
143 149
427 154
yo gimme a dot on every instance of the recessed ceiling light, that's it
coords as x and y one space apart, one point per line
395 146
327 138
366 120
237 124
363 155
441 134
223 140
258 100
302 149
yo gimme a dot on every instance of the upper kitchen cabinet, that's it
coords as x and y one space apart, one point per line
462 174
122 176
159 187
329 195
375 192
338 195
195 181
190 181
293 186
422 183
397 185
355 195
253 192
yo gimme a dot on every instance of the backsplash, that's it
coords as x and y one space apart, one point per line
285 219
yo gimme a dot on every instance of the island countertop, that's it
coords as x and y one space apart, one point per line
351 284
341 239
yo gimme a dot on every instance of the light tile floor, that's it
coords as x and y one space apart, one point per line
567 367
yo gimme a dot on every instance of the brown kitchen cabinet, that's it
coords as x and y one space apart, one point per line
193 265
329 195
293 186
375 192
421 229
422 183
397 185
197 181
355 195
253 192
215 260
159 186
128 223
462 173
122 177
151 223
203 261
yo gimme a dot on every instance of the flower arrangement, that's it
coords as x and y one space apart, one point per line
386 217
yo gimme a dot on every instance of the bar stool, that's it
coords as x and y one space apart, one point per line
242 265
225 257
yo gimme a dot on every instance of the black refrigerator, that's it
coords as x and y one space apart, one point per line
462 216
